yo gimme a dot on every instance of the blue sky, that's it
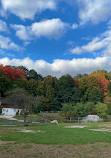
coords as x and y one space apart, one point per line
56 37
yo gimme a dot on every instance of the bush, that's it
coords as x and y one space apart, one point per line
84 109
67 110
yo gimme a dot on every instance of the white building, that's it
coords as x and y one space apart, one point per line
8 109
11 111
92 118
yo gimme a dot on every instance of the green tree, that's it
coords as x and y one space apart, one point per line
20 98
102 110
49 91
32 74
95 95
5 84
40 89
55 105
66 92
78 76
109 88
37 105
32 87
20 83
83 86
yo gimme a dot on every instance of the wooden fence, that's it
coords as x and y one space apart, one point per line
4 122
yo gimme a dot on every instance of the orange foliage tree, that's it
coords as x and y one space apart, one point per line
102 81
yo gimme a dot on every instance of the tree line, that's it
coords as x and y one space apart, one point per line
77 96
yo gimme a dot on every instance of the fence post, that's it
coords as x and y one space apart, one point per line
78 119
46 121
70 119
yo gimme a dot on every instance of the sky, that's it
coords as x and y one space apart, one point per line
56 37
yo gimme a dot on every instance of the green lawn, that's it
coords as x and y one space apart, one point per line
57 134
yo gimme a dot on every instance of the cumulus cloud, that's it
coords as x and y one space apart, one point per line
27 9
102 42
3 26
94 11
62 67
8 44
53 28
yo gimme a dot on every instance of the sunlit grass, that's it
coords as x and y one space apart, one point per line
57 134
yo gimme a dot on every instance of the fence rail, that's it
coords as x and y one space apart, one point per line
82 120
4 122
48 112
10 123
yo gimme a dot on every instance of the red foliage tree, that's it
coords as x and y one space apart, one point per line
12 73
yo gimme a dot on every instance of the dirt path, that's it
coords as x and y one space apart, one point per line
8 117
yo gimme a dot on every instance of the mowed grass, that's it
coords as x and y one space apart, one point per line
56 134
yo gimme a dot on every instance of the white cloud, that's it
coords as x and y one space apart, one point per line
77 50
94 10
75 26
23 32
3 26
8 44
27 9
62 67
102 42
53 28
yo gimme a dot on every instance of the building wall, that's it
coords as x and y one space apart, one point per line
11 111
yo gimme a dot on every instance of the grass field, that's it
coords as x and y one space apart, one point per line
55 141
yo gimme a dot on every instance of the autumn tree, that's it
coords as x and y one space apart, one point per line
92 86
12 73
103 82
75 82
31 74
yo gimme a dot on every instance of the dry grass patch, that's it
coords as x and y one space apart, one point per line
75 126
97 150
105 125
101 130
30 131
